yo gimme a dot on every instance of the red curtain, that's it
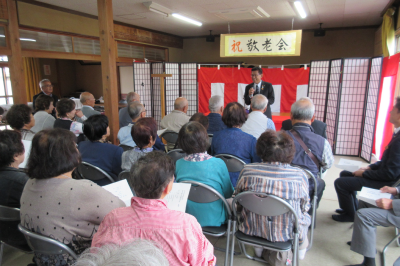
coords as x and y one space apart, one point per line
289 79
389 69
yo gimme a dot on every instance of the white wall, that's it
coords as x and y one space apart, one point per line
126 79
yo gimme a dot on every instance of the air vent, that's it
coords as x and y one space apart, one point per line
241 13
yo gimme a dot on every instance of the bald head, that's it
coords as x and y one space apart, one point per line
87 99
303 110
181 104
259 102
132 97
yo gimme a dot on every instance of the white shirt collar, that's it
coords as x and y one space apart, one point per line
259 85
88 106
396 130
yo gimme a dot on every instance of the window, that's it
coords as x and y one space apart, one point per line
5 86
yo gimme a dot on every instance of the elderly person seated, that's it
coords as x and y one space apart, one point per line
43 110
124 116
275 176
55 205
97 150
233 140
66 112
201 118
87 99
178 233
20 118
136 111
198 166
144 133
178 117
216 107
257 122
12 182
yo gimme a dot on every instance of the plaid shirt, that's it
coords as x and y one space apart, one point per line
281 180
327 156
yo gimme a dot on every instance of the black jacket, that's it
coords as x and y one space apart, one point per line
318 126
267 90
388 168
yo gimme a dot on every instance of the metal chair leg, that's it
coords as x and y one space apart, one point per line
386 247
398 240
233 242
1 251
314 212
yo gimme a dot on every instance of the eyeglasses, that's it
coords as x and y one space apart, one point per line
47 86
255 75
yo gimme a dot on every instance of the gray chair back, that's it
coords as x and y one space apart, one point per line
45 245
264 204
91 172
233 163
125 147
8 214
176 154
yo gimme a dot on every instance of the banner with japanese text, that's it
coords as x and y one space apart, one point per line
289 85
279 43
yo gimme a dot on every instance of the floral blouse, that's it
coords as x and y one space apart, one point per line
197 157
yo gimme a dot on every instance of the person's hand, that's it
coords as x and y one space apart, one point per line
385 204
365 168
391 190
359 172
79 113
251 91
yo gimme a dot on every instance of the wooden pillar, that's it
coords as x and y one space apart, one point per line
109 65
16 62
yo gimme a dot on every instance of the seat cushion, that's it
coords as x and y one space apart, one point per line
263 242
221 230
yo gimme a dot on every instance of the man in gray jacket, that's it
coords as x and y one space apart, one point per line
366 220
87 99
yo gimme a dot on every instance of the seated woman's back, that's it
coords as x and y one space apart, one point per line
55 205
43 110
97 151
200 167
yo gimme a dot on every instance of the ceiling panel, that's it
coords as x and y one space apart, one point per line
332 13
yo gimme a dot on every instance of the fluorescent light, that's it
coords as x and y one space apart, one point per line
300 9
195 22
257 13
259 8
158 11
27 40
2 36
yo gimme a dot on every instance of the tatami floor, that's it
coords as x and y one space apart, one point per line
330 237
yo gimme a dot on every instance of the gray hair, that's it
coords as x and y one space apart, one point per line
135 109
215 103
43 81
259 102
137 253
132 96
303 109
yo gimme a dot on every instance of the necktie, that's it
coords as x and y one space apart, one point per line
256 92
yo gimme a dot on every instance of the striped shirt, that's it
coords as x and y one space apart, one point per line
178 233
281 180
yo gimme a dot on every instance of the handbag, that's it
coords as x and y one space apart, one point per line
278 258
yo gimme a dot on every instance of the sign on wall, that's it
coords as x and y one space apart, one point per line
278 43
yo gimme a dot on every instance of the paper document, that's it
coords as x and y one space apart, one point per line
349 165
27 147
121 190
370 195
177 198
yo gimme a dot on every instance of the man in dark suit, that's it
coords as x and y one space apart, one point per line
259 87
47 89
318 126
382 173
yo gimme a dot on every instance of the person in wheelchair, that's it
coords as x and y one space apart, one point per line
275 176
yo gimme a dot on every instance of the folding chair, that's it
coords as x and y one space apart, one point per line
10 215
397 229
265 205
46 245
93 173
171 137
396 238
202 193
125 147
314 201
176 154
233 163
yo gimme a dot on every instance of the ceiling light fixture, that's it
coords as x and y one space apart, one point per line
258 14
21 39
158 11
195 22
262 11
300 9
157 8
